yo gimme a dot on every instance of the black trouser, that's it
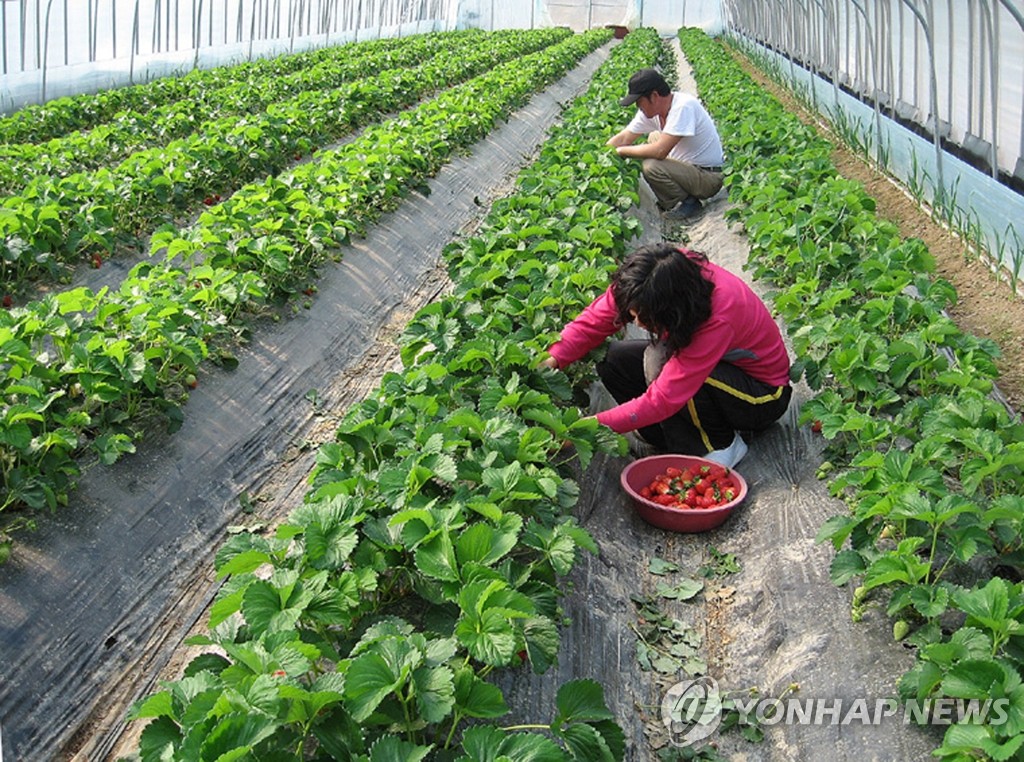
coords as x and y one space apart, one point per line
729 401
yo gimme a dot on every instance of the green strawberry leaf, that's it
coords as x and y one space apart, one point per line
394 749
586 744
368 681
581 701
475 697
490 744
488 637
159 739
659 566
435 692
846 565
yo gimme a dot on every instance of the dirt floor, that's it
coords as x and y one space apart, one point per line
987 306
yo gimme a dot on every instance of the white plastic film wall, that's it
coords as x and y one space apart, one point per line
962 60
51 48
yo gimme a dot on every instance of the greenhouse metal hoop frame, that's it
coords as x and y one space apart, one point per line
800 30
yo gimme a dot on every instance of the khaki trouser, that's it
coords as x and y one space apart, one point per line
675 181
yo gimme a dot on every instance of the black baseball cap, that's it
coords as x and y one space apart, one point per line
644 82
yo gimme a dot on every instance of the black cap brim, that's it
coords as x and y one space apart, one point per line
630 99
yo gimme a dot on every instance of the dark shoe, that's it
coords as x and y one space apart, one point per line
690 210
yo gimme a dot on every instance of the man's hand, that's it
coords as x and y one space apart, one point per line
657 148
623 138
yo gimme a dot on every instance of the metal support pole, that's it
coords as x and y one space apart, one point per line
3 23
869 36
934 91
252 31
1019 18
46 46
197 36
993 72
21 33
134 46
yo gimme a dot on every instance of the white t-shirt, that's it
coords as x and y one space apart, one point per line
699 142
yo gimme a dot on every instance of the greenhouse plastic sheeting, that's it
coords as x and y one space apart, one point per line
50 50
667 16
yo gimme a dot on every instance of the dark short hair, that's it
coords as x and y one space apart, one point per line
667 288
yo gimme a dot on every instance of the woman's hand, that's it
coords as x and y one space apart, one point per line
550 362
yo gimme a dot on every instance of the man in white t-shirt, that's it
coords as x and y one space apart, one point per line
682 158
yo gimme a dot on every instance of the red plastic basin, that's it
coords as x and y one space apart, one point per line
641 473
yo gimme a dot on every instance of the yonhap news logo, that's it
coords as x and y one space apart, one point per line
692 710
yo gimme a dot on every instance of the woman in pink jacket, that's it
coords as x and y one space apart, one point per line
715 362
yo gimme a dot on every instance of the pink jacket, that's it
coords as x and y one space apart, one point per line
740 331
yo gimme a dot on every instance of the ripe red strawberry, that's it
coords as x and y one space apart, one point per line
97 260
816 427
8 301
208 201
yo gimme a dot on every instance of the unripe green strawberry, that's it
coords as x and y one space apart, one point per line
900 629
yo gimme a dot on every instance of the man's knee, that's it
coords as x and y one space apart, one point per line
714 186
652 168
656 172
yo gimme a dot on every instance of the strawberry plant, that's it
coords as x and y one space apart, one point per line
125 352
129 131
430 545
199 88
58 219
